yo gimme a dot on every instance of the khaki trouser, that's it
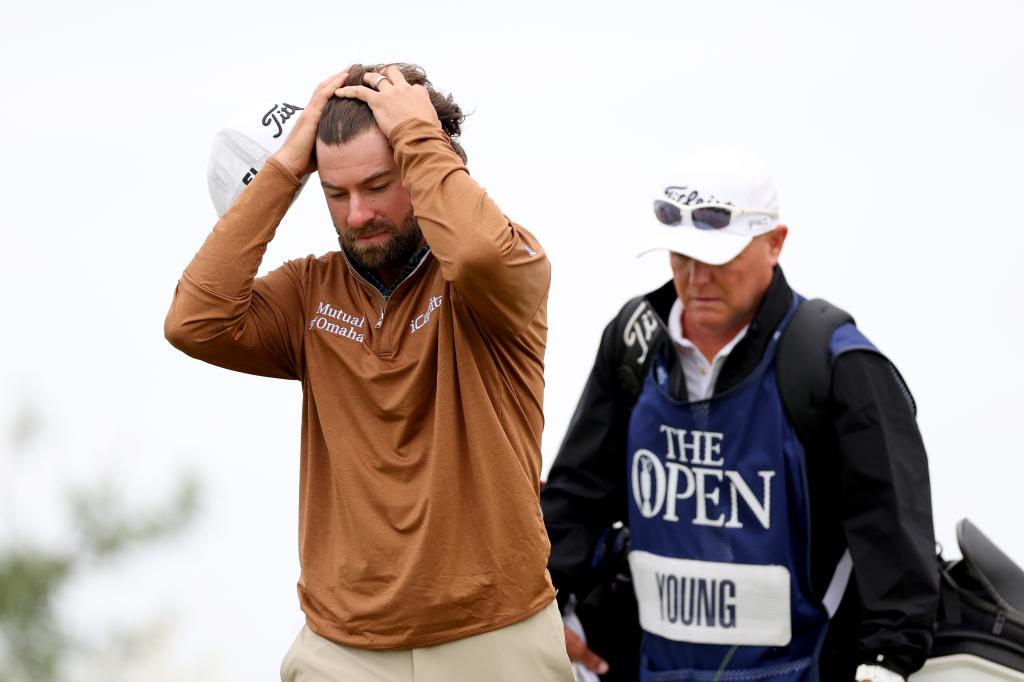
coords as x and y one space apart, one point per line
532 650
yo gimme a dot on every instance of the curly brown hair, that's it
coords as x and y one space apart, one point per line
344 119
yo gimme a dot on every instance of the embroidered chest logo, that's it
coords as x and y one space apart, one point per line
421 320
337 321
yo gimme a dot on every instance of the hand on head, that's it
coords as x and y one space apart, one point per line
391 98
296 154
394 93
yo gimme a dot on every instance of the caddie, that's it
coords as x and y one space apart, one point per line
759 549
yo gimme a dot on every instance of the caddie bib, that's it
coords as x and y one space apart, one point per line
719 526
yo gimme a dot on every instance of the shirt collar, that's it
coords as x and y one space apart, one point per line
385 290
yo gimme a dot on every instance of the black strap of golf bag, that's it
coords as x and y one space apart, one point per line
639 332
803 370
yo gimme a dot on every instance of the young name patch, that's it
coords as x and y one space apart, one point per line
707 602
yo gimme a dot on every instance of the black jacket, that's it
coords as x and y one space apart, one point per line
868 486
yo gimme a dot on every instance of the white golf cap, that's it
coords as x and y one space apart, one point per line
719 176
240 150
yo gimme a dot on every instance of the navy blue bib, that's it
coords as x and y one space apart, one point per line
719 525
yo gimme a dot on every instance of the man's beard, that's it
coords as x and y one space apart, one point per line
393 252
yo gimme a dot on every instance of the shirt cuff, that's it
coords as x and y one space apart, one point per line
876 673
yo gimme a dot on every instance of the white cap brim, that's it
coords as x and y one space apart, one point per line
714 247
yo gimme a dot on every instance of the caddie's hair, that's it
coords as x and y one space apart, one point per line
345 119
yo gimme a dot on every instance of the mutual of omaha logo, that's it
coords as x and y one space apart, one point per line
336 321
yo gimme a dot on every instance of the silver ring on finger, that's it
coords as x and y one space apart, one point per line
376 83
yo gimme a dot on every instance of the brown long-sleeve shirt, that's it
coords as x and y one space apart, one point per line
419 520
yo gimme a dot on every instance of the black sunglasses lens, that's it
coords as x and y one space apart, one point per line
667 213
711 218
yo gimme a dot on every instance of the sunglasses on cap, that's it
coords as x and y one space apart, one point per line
702 216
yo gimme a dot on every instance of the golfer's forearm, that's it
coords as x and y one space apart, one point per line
229 259
214 313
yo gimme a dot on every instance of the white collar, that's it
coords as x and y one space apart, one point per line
700 374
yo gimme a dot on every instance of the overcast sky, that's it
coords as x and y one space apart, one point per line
894 129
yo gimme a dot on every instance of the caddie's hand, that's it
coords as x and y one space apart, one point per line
296 154
579 653
391 98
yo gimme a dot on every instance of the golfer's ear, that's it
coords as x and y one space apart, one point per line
775 239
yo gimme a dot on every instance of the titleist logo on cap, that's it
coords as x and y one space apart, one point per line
278 114
689 196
